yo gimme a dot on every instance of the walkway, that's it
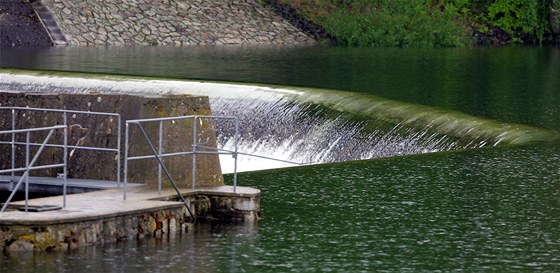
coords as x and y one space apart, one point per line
108 203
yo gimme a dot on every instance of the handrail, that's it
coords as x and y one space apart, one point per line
68 146
29 166
194 152
160 162
226 151
216 151
65 113
158 154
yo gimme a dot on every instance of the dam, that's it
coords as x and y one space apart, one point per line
326 129
442 208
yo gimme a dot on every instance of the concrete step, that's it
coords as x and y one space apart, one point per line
49 23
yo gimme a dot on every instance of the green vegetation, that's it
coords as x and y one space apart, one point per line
428 23
520 19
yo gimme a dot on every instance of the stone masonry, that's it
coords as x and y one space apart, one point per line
172 22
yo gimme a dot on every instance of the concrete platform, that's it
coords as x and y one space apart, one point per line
52 185
103 216
108 203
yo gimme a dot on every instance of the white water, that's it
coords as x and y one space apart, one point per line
272 122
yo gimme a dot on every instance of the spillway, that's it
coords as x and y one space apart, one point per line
302 125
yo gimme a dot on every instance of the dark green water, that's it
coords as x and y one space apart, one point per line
517 85
490 209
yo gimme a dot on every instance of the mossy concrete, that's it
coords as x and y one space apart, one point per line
99 131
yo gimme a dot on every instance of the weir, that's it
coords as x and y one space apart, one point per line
303 125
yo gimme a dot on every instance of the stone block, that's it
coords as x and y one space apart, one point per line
246 204
20 245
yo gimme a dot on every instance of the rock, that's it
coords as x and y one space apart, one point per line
20 246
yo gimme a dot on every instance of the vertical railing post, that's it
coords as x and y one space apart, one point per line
235 155
13 149
160 151
194 153
119 128
125 172
65 156
27 140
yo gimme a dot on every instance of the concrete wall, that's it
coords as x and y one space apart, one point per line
172 22
88 130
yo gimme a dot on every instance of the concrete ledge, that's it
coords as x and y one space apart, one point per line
103 216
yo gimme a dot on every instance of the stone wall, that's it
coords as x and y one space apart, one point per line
172 22
168 221
96 131
66 236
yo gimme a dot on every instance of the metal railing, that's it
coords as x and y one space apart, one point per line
65 114
158 154
30 164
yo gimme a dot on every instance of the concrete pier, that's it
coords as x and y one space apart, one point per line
103 216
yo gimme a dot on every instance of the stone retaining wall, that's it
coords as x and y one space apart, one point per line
167 221
172 22
66 236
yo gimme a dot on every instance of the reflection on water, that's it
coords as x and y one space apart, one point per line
518 85
197 251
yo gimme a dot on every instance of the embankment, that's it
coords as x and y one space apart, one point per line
172 22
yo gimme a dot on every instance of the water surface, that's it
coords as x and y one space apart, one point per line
487 209
514 84
428 212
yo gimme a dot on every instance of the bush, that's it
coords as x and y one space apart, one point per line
386 23
425 23
521 19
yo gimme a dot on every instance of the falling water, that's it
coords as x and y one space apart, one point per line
300 125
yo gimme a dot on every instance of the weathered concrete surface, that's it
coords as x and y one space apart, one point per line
95 131
172 22
20 26
102 217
